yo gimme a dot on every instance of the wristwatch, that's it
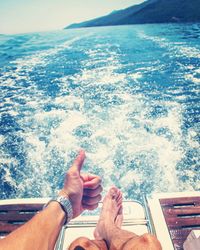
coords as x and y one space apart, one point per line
65 205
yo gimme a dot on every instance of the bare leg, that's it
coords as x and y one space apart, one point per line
144 242
109 227
83 243
99 242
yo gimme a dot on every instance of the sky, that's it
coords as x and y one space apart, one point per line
21 16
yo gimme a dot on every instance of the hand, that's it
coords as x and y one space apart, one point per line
83 190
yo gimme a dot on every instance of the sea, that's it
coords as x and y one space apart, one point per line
127 95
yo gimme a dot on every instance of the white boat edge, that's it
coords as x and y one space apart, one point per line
154 216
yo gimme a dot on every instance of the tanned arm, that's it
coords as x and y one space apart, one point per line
39 233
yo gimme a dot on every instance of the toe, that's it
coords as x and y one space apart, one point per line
119 198
113 193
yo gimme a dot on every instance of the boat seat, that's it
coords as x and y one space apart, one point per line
84 225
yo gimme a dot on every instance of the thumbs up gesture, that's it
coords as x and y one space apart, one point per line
83 190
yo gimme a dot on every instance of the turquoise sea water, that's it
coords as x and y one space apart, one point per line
128 95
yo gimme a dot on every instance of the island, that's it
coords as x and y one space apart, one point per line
150 11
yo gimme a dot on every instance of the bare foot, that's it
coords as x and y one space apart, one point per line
111 212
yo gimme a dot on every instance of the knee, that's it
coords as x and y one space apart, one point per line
149 238
144 242
151 241
80 243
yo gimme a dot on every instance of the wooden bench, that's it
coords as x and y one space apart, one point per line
14 213
173 216
182 215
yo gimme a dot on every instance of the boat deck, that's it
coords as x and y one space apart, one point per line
182 215
178 213
170 216
14 213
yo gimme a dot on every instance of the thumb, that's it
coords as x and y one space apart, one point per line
78 162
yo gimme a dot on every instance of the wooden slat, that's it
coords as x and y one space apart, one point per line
4 227
182 211
181 201
16 217
181 222
15 213
19 207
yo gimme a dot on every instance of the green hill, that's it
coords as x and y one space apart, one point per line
151 11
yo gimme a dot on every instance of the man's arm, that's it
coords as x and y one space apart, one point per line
42 231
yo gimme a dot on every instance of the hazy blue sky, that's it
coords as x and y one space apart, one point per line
19 16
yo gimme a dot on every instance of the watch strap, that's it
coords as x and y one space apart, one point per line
65 205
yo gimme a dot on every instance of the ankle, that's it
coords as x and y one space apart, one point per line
109 231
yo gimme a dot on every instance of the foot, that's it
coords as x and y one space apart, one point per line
111 213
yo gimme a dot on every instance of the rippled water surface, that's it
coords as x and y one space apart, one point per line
128 95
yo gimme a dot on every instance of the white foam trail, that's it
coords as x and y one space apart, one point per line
178 49
118 133
41 58
125 144
192 78
26 64
2 139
